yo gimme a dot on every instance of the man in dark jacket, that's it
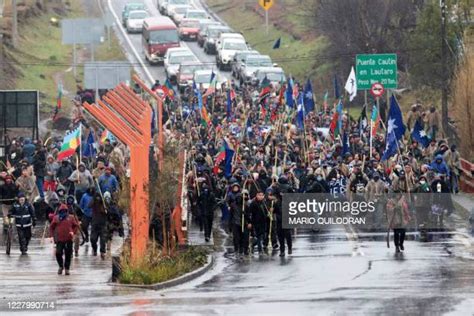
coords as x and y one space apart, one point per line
206 205
63 174
240 219
63 227
8 193
258 219
99 226
39 167
76 212
284 235
24 215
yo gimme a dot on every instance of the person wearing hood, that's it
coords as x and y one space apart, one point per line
438 165
258 220
108 182
82 179
64 172
76 212
98 225
26 184
85 205
50 176
452 159
25 218
62 229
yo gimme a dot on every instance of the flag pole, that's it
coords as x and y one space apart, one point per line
80 144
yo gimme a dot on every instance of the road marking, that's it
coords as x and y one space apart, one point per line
129 42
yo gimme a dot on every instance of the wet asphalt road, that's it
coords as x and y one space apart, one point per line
328 273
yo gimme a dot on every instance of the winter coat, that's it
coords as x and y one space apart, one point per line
24 215
441 168
8 192
63 230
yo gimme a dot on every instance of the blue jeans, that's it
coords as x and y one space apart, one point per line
39 184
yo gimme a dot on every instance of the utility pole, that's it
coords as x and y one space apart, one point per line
14 24
444 70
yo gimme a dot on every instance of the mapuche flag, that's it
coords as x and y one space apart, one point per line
374 121
70 143
336 122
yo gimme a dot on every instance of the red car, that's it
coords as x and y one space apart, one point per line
188 29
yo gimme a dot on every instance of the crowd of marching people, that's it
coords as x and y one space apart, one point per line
76 200
251 144
248 145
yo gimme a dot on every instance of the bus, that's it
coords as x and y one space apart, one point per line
159 34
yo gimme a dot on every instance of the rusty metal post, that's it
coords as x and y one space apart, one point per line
128 117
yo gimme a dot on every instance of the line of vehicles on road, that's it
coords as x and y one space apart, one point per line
181 21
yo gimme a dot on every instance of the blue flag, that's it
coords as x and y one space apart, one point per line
277 43
346 147
300 114
395 129
88 150
308 97
420 135
229 155
199 97
289 93
337 94
229 106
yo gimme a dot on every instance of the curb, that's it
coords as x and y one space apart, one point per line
174 282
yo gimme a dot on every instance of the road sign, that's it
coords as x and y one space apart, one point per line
266 4
82 31
372 68
377 90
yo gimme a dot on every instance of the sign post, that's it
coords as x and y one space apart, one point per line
373 68
266 5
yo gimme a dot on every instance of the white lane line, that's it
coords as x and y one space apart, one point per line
129 42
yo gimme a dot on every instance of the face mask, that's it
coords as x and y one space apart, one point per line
319 178
422 182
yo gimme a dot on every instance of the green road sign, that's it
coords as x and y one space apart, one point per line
373 68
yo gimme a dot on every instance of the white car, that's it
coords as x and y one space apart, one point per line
196 14
177 13
226 51
224 36
171 3
135 20
174 57
202 78
251 64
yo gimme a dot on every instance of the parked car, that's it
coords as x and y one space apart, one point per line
177 12
186 73
188 29
171 3
275 75
211 36
196 14
174 57
202 78
251 64
227 49
203 25
135 20
238 59
132 6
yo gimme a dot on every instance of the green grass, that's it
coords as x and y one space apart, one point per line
294 56
156 269
43 59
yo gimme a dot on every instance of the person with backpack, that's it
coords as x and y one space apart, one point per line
62 229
